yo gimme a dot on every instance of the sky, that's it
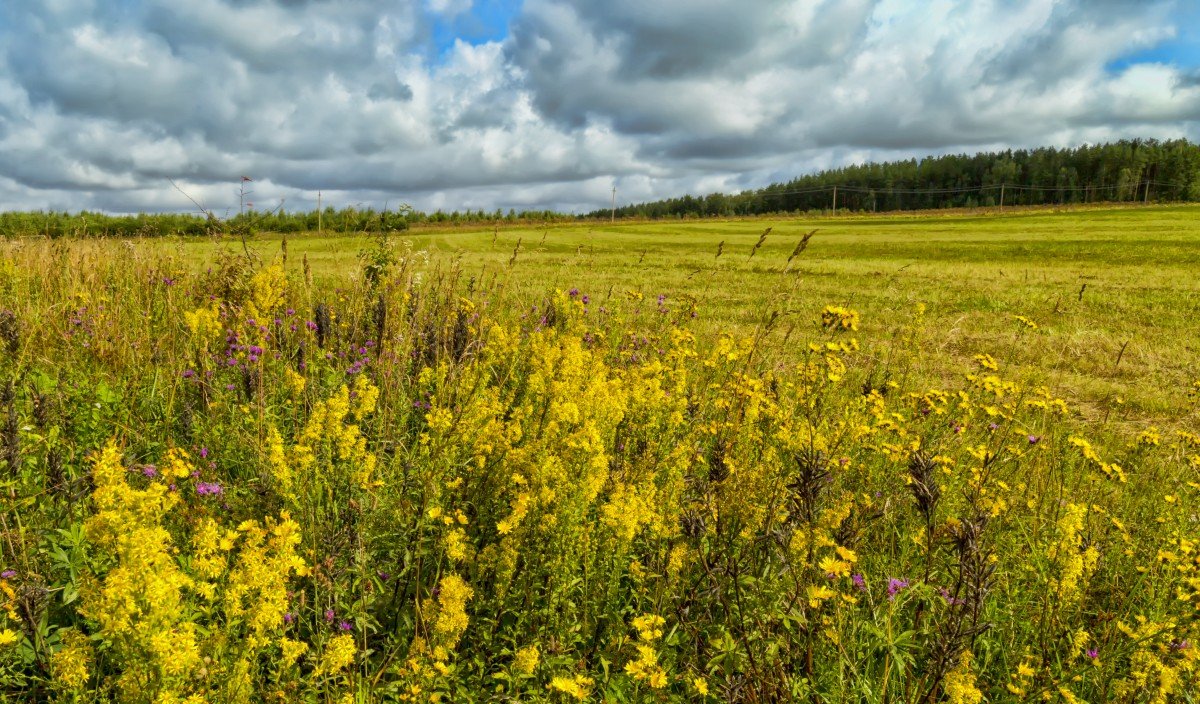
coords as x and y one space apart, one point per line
534 104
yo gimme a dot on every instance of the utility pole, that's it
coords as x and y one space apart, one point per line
835 200
1146 196
318 213
1002 196
613 217
242 193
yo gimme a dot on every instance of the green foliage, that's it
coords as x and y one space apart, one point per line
227 479
1115 172
350 220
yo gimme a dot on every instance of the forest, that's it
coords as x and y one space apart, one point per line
1124 171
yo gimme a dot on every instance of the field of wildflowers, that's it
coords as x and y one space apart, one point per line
234 483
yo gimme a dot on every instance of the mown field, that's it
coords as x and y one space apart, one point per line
1095 281
916 459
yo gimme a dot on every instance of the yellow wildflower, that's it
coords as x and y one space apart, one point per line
526 660
339 653
70 663
452 616
578 687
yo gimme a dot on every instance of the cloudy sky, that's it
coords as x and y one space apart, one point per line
548 103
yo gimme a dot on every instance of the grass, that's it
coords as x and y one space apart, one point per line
1103 284
920 463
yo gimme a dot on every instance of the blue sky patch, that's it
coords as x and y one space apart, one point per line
1183 50
486 21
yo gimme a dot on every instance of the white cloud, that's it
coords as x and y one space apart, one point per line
100 103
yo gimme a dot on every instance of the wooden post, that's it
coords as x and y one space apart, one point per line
613 218
835 200
318 213
1002 196
1146 196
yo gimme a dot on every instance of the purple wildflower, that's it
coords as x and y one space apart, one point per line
586 299
150 470
384 575
209 489
1033 439
329 614
188 373
8 574
895 586
1092 653
573 292
204 453
289 617
993 427
950 600
344 626
859 582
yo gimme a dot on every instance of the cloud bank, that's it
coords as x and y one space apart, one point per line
488 104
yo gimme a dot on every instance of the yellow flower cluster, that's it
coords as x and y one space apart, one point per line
526 660
839 318
204 323
329 449
577 687
959 686
151 609
71 663
339 653
140 605
646 667
1075 561
452 609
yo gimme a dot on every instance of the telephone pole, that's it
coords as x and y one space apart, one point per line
1002 196
835 200
613 217
318 213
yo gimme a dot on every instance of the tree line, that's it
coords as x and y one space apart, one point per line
1127 170
329 220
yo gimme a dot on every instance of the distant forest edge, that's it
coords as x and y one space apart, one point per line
1129 170
1125 171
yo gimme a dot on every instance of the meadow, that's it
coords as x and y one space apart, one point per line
1096 281
920 458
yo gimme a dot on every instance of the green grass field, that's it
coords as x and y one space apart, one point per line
930 459
1095 281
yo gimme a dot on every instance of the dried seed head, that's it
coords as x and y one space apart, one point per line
324 323
10 333
923 485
